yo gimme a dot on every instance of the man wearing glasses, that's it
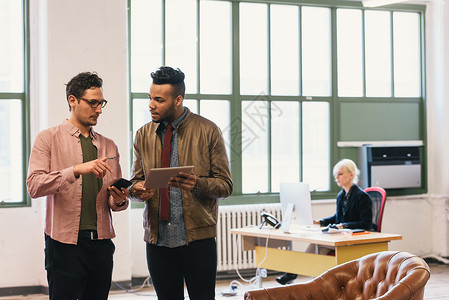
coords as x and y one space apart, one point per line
74 167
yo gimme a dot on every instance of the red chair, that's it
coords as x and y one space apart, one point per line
378 196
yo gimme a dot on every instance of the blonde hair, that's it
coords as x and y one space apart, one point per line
349 166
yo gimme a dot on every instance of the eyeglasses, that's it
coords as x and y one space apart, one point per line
94 103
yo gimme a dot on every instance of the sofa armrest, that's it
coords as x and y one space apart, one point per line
299 291
410 287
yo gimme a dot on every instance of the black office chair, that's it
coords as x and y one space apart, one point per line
378 196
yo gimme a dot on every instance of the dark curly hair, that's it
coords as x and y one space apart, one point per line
80 83
175 77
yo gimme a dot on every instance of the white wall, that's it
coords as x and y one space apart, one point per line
437 48
21 246
70 36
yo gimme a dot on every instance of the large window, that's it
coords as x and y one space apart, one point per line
13 108
272 75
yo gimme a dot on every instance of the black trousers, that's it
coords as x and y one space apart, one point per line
195 263
82 271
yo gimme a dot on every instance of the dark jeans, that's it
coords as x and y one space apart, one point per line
195 263
82 271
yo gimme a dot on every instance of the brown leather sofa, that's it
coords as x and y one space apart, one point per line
385 275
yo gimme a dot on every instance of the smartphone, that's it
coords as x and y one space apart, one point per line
122 182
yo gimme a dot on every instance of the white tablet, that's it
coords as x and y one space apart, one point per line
159 177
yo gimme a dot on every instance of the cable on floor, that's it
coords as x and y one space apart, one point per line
135 291
253 282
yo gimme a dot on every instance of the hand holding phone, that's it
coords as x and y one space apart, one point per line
122 183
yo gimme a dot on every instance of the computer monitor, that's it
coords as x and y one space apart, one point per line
296 194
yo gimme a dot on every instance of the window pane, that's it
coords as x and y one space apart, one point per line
146 49
11 47
300 63
191 104
378 53
284 143
11 167
141 114
284 50
254 146
316 135
215 39
253 49
181 39
407 72
218 111
316 51
349 51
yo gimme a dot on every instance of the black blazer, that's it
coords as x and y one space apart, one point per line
358 213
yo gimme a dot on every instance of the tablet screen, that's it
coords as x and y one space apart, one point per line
159 177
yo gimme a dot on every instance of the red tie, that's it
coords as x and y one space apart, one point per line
165 196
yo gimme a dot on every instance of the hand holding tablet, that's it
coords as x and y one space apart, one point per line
159 177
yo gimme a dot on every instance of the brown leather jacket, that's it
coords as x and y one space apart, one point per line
200 144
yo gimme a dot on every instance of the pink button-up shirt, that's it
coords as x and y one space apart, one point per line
50 173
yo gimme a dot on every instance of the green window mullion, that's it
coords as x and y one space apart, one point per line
269 148
25 97
198 97
300 141
164 20
363 56
423 55
131 98
334 65
269 49
236 104
392 53
300 53
333 107
301 161
198 48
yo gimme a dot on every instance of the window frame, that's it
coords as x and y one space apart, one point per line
24 97
334 101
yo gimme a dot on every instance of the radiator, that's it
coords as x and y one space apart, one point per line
237 216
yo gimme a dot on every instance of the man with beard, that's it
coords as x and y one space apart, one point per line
180 221
74 167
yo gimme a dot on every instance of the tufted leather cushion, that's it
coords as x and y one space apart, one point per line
384 275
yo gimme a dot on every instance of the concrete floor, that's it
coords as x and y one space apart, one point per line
436 288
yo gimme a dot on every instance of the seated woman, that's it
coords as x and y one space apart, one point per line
354 208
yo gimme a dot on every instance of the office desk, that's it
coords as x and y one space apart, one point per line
347 247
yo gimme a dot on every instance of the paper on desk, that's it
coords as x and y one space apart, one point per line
347 231
335 230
